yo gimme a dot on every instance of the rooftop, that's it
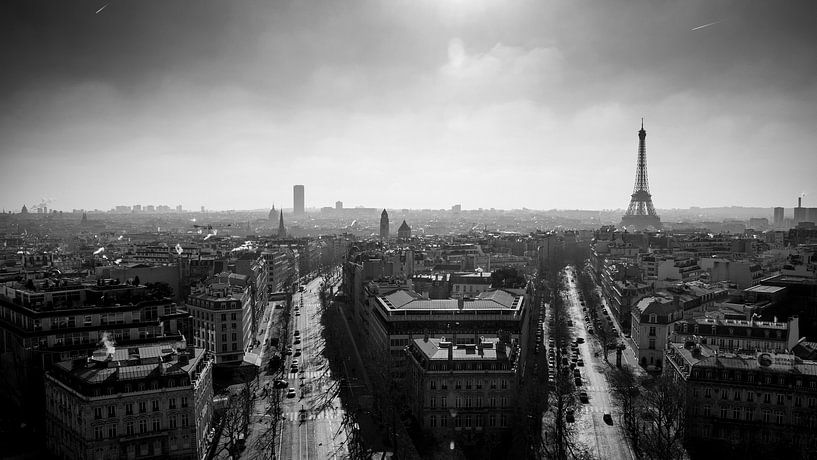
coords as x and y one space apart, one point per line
702 356
437 349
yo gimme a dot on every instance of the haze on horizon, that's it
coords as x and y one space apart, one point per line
406 103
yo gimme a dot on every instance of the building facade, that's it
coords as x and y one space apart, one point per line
462 393
222 314
763 403
122 403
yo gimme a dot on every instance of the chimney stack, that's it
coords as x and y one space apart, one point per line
799 201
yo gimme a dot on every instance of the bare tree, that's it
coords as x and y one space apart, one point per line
236 421
626 392
664 411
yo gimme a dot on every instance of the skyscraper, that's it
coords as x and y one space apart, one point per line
298 196
779 212
384 225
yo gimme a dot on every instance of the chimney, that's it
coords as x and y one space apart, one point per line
799 201
425 337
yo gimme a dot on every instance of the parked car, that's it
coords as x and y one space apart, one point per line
583 397
580 362
578 381
569 416
608 419
291 393
280 383
297 333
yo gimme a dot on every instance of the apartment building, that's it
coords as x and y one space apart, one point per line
131 402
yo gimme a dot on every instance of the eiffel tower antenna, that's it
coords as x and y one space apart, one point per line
641 213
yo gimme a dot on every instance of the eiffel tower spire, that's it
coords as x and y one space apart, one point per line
641 213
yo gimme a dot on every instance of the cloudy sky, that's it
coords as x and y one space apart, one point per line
406 103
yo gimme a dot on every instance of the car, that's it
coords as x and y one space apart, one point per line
580 362
570 322
608 419
287 351
291 393
293 369
569 416
297 353
280 383
583 397
577 373
590 330
295 361
297 333
574 358
297 341
578 381
579 340
297 313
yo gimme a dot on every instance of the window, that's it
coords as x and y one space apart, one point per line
735 413
129 428
184 401
778 416
97 413
171 420
652 331
707 392
766 415
503 420
143 426
723 393
443 402
129 409
443 421
97 432
492 420
493 401
750 396
224 316
767 398
736 395
232 317
707 411
157 424
458 402
142 407
504 384
432 421
111 411
468 401
479 401
171 403
779 399
467 421
723 411
111 431
458 385
798 401
223 337
433 403
155 405
185 420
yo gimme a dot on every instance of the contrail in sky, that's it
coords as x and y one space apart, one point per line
705 25
103 7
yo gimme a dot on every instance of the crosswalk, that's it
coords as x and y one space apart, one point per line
588 409
308 375
295 416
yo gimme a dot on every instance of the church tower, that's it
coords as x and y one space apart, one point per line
282 231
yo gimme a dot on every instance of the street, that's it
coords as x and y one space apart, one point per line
312 419
604 440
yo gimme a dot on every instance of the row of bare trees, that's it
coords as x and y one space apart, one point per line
652 413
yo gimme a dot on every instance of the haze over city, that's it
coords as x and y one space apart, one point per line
406 104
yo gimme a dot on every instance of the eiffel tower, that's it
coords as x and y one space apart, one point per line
641 213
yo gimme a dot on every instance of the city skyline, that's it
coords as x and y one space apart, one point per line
493 105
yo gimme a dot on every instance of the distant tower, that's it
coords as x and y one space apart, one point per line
779 216
641 213
298 198
24 210
282 231
404 232
271 216
384 225
84 220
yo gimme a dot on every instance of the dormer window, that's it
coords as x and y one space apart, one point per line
653 318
